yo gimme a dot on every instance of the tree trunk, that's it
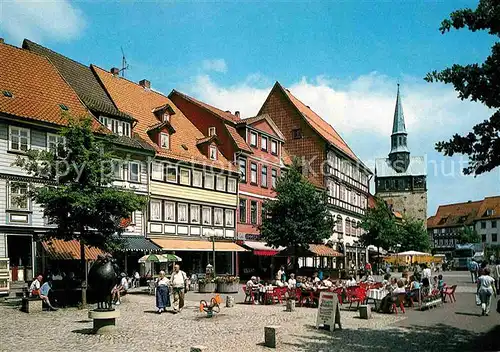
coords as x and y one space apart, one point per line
84 276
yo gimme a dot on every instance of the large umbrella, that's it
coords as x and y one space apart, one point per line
172 257
160 258
412 253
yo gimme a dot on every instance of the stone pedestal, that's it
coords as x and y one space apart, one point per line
229 301
104 321
198 349
271 336
365 312
32 305
290 305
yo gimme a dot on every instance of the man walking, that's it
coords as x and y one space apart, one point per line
473 268
179 282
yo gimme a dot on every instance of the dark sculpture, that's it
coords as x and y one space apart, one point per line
103 277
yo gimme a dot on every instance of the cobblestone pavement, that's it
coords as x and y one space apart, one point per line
241 328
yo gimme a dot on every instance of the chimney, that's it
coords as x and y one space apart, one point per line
145 83
228 111
115 71
237 113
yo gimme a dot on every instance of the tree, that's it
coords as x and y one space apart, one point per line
298 216
380 226
477 82
76 190
413 235
468 234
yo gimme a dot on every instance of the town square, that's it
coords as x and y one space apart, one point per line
251 176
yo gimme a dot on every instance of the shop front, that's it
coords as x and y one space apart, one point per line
260 260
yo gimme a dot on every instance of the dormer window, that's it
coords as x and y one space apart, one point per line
253 139
164 140
211 131
490 212
213 152
166 116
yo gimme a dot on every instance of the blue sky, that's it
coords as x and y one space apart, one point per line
343 58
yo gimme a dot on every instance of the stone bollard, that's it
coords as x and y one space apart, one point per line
229 301
365 312
290 305
271 336
198 349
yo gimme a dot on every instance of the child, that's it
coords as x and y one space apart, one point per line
440 285
435 282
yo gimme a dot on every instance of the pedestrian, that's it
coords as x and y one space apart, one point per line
497 272
162 292
179 282
473 268
486 289
426 272
137 279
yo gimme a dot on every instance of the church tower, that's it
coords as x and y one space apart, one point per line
401 179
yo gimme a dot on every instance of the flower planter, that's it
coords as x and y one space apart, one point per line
228 287
433 303
206 287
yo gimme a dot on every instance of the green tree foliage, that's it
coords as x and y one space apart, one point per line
477 82
468 235
298 216
413 236
380 226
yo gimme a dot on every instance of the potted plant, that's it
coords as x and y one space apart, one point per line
227 284
206 285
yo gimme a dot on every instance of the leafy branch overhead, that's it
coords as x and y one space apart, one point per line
477 82
76 190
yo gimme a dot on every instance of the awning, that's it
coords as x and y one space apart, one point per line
69 250
196 245
138 243
260 248
314 250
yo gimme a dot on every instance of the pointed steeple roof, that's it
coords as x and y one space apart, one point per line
398 125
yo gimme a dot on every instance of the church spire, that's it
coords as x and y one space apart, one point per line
398 125
399 155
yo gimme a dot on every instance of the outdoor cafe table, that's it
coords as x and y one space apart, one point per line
376 295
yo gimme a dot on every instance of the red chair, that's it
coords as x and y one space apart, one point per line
449 292
249 297
400 302
357 294
339 291
276 295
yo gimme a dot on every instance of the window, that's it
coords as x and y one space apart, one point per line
18 199
164 140
253 139
185 177
209 181
490 212
274 177
342 192
166 117
347 226
55 144
253 212
157 171
218 217
197 178
213 152
483 224
126 129
263 143
494 224
339 224
117 170
170 211
231 185
134 170
243 211
182 212
195 213
263 178
296 133
171 173
19 139
353 227
155 209
211 131
494 237
229 217
483 238
220 183
207 216
243 169
274 147
253 173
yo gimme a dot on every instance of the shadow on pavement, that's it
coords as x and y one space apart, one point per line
84 331
468 314
440 337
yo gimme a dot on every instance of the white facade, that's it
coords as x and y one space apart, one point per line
489 231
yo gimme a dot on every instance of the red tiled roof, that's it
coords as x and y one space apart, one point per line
324 129
324 251
140 102
489 203
69 250
208 139
220 113
238 140
37 88
458 214
252 120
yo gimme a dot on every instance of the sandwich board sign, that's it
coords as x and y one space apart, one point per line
328 311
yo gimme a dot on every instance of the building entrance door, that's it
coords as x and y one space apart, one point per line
19 252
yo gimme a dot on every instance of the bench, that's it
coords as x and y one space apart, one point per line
32 305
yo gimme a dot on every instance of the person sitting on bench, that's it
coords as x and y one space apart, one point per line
34 290
44 293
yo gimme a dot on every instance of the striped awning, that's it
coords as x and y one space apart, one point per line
171 244
260 248
68 250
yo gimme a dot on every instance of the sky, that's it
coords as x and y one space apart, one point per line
342 58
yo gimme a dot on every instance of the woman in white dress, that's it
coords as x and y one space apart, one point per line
486 289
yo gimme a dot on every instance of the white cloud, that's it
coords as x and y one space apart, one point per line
362 110
217 65
37 20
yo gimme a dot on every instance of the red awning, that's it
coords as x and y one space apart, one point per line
265 253
260 248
